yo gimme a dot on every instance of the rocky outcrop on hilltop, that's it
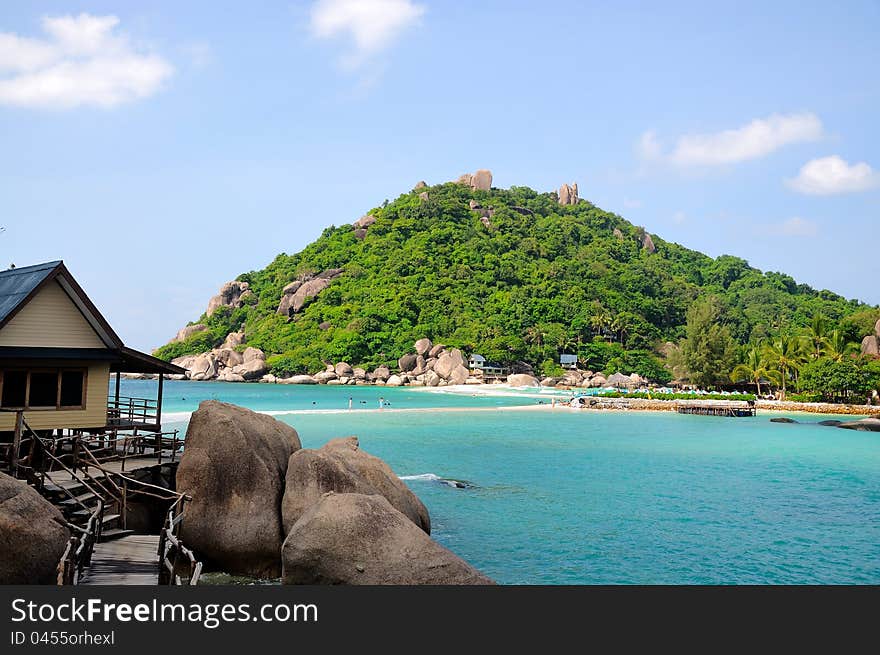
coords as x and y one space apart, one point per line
871 343
33 535
295 295
568 195
232 294
648 244
260 505
481 180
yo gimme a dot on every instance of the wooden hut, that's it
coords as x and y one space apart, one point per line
57 354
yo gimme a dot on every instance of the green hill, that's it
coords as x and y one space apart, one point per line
519 278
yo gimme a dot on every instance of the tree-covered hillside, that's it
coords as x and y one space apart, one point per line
523 282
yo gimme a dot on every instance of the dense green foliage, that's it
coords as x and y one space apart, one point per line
542 280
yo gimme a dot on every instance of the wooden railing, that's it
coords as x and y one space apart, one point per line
80 546
126 410
178 565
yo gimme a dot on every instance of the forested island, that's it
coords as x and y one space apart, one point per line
522 277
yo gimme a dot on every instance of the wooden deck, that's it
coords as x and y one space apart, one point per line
131 560
732 409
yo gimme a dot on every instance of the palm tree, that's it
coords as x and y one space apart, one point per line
786 354
754 369
836 346
817 335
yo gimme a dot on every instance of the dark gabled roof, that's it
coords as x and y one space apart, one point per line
124 360
17 284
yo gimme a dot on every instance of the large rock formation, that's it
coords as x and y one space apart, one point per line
522 380
423 346
33 535
364 221
871 343
341 466
185 333
482 179
361 539
451 367
568 195
295 294
648 243
232 294
234 467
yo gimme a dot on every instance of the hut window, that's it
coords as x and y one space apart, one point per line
43 389
14 388
72 389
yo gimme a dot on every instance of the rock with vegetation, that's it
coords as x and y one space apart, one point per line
234 467
185 333
33 535
230 295
358 539
341 466
545 275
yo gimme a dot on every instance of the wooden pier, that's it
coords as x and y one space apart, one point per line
731 409
131 560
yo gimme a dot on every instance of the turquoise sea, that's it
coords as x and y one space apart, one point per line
565 496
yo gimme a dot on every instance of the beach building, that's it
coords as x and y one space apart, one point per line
476 362
568 361
58 355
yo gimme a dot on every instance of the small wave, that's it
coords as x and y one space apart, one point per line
431 477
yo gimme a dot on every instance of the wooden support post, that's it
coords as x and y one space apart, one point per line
16 443
159 403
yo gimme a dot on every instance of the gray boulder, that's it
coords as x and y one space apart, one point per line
203 367
648 243
871 346
863 425
364 221
342 467
434 353
33 535
394 381
359 539
407 363
448 362
381 373
482 180
522 380
300 379
251 370
344 369
185 333
423 346
230 295
234 467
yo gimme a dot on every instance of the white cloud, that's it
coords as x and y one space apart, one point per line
795 227
371 25
82 61
754 140
830 175
632 203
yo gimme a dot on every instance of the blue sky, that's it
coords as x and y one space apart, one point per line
162 149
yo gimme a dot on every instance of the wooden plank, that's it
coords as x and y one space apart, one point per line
131 560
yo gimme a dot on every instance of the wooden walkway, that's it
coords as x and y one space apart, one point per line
732 409
131 560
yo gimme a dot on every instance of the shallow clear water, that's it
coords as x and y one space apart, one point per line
581 497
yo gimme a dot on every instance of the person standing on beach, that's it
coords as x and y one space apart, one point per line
381 403
349 402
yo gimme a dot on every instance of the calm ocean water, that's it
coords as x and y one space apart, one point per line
577 497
